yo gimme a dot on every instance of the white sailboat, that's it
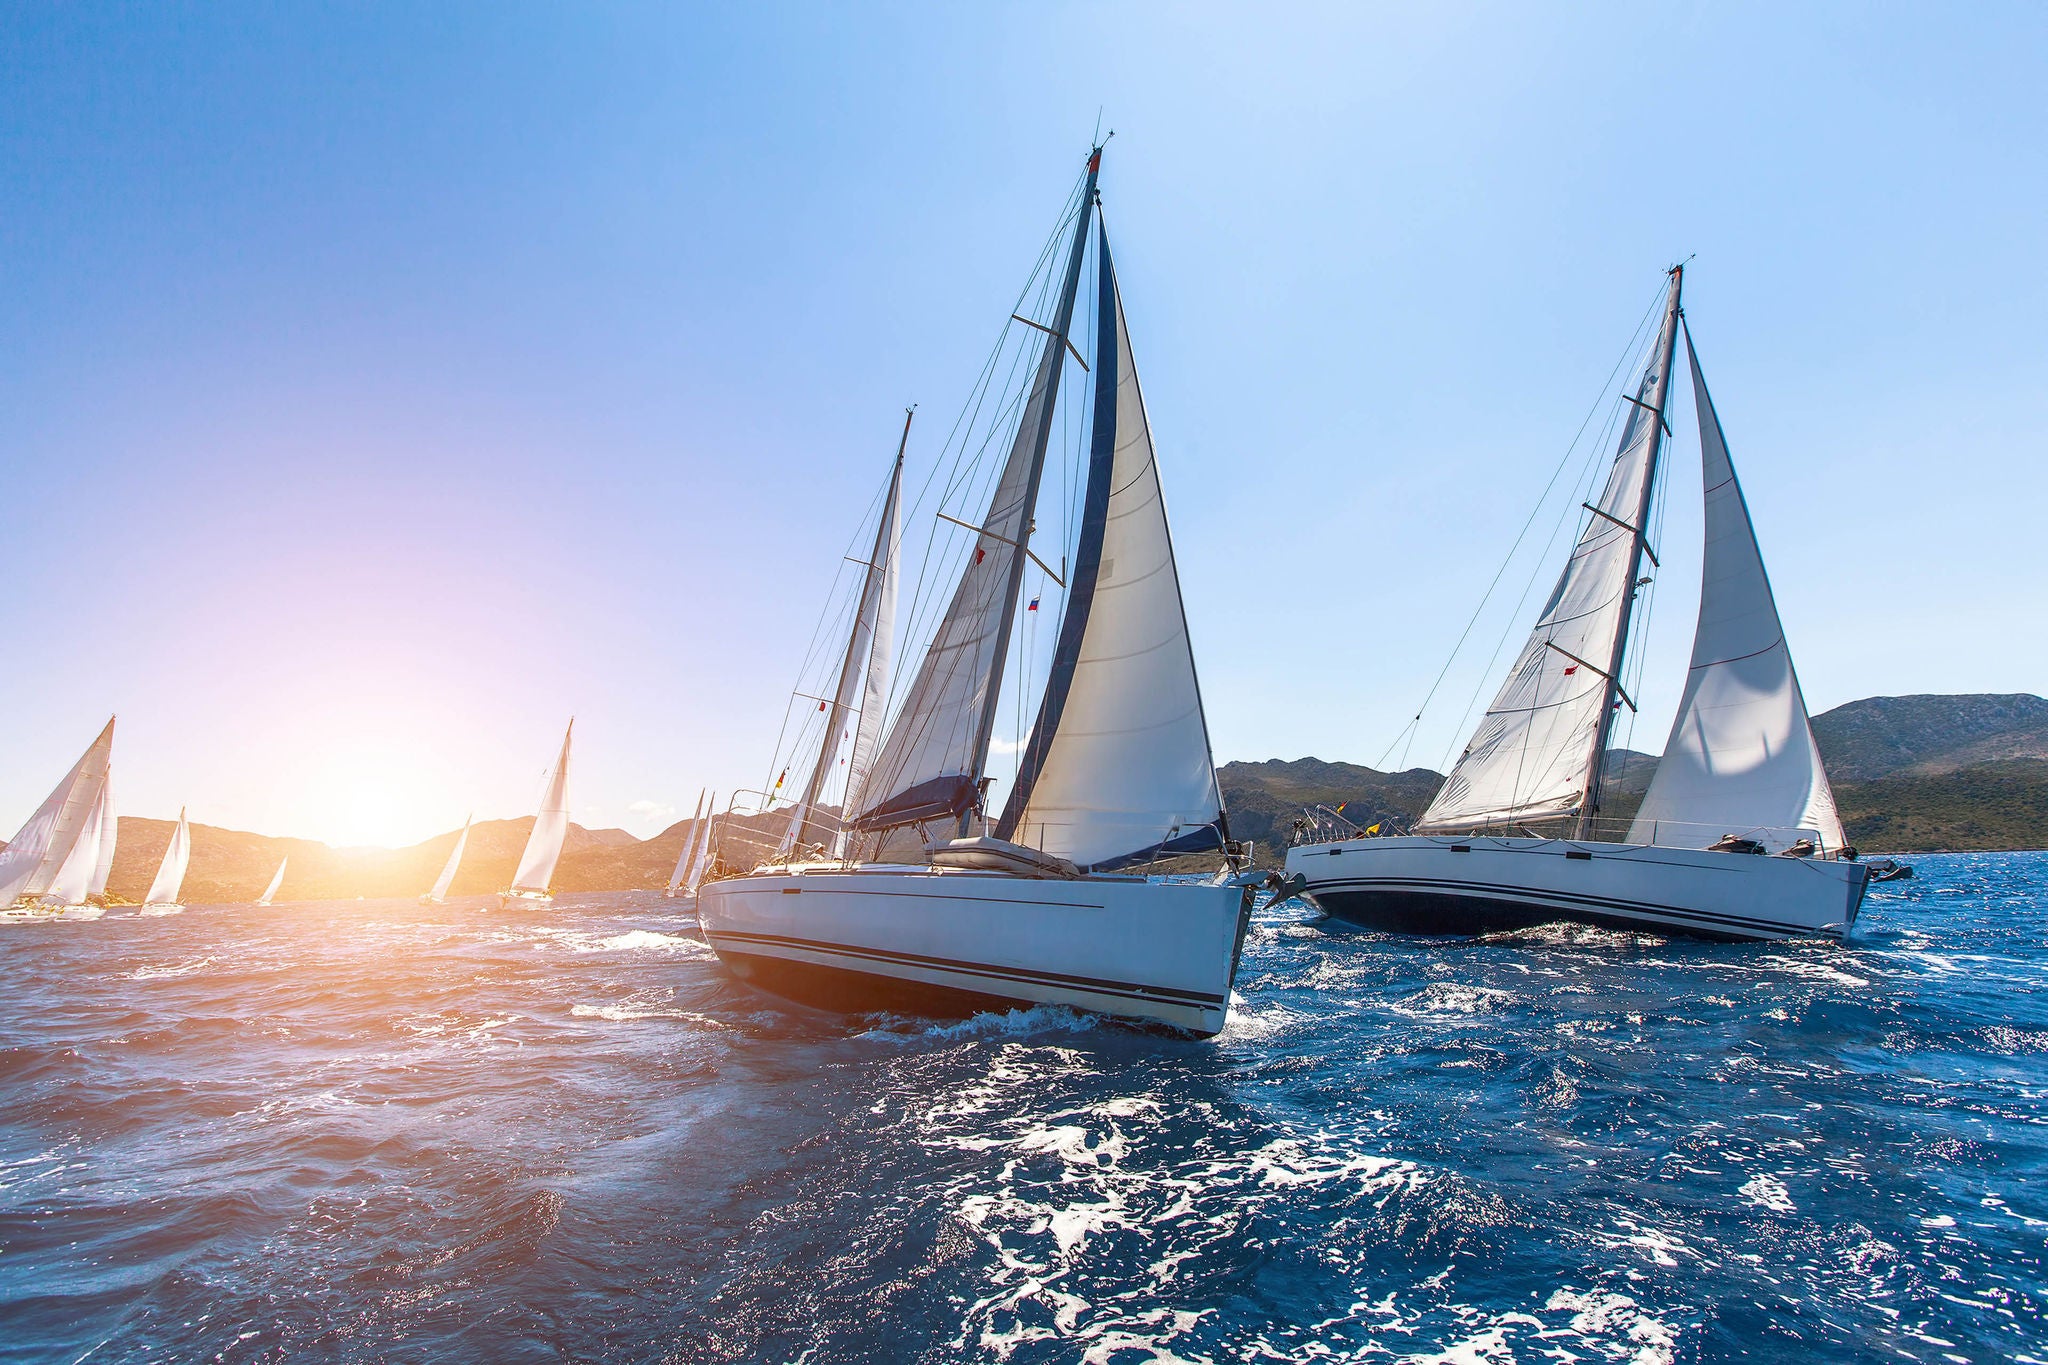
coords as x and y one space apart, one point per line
1737 837
276 881
696 848
439 893
170 873
1029 908
529 889
60 858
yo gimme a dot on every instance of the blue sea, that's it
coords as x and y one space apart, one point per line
371 1131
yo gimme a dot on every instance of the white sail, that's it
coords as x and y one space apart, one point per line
72 884
1741 758
110 827
447 877
31 861
690 840
1119 765
550 826
170 873
1532 753
276 881
700 858
930 765
863 677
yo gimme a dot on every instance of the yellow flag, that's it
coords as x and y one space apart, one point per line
1374 830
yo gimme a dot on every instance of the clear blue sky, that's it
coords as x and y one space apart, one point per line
380 385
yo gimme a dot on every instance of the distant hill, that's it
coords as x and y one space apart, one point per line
1880 736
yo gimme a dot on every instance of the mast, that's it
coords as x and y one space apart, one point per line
1053 362
859 639
1589 809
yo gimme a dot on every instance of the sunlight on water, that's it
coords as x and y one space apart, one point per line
372 1131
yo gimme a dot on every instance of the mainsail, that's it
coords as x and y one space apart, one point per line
1741 758
1537 752
550 826
73 882
932 762
863 673
276 881
681 875
44 845
170 873
110 826
447 877
1118 767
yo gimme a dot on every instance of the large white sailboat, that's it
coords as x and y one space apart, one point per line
59 860
170 873
276 881
439 893
1029 907
529 889
1737 836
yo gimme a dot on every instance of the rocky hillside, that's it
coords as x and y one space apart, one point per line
1880 736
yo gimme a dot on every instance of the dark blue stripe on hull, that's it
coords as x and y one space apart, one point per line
1465 908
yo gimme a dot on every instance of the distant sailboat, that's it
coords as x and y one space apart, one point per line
60 858
170 874
690 862
1740 780
447 877
1028 908
270 891
529 887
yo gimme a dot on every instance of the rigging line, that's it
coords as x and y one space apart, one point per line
1535 510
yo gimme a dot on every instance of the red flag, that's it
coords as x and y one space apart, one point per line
979 554
821 706
1569 671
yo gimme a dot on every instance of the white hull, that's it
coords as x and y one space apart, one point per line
951 942
524 900
153 910
38 911
1442 885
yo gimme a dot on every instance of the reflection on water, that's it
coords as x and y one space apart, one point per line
374 1131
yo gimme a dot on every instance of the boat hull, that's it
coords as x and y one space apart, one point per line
524 900
1422 884
38 911
949 943
155 909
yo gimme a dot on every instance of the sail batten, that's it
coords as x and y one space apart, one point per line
1118 766
550 826
1741 758
1537 752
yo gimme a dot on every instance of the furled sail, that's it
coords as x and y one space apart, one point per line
276 881
447 877
170 873
931 763
681 875
550 826
44 844
863 673
1741 758
1534 753
1118 766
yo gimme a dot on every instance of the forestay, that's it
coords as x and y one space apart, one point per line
1741 758
170 873
550 826
30 863
1532 754
1118 766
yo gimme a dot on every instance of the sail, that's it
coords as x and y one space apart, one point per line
863 673
276 881
30 862
1741 758
700 857
72 884
550 826
931 763
170 873
110 826
447 877
1118 766
1533 753
690 840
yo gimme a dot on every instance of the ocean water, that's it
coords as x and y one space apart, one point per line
370 1131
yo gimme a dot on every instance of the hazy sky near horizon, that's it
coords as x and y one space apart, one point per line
381 385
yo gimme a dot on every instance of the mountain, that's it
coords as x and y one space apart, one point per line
1880 736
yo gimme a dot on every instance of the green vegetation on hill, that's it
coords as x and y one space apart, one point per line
1997 805
1878 736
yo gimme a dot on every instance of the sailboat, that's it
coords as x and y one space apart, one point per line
696 847
1737 837
1029 907
447 877
529 889
59 860
170 873
276 881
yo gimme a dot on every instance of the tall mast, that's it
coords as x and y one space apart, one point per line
1052 361
1589 809
849 666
